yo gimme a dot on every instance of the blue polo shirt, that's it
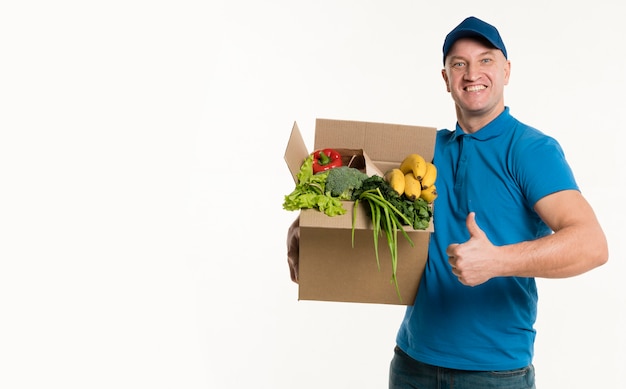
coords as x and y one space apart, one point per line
499 172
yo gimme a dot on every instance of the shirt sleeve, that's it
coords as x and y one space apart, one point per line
541 167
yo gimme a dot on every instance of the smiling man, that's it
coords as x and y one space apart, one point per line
508 210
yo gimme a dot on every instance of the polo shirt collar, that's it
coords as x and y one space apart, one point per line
494 128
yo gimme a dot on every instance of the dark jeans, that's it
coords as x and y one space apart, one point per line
407 373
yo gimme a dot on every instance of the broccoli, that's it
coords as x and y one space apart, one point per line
342 181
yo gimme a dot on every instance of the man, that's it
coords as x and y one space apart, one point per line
508 210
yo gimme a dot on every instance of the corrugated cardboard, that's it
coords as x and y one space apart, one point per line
330 268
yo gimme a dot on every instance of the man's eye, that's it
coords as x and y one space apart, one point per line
458 64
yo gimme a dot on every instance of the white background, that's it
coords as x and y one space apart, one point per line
142 236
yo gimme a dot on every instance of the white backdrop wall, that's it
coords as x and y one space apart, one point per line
142 236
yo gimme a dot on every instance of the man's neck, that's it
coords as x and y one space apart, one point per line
471 123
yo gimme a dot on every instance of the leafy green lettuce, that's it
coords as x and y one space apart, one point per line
310 192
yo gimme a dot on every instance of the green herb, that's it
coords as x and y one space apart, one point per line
418 211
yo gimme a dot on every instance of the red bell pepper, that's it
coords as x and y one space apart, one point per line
325 159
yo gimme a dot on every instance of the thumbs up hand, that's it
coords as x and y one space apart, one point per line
473 261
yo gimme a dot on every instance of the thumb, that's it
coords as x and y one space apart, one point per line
472 227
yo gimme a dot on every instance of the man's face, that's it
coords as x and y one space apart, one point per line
475 75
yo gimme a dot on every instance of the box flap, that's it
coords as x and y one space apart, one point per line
296 152
386 144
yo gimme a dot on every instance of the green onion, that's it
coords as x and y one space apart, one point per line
385 218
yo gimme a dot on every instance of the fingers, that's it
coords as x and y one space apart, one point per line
465 258
293 271
293 249
472 226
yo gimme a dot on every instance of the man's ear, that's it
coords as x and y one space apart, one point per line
445 79
507 72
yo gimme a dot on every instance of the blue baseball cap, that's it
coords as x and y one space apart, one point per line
473 27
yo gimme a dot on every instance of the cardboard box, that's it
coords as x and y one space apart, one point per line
330 268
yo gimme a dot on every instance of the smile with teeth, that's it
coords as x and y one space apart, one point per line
475 88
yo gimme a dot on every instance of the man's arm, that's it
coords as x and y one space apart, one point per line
577 245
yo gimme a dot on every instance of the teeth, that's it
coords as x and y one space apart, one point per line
475 88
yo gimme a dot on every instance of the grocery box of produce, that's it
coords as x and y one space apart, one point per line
331 268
